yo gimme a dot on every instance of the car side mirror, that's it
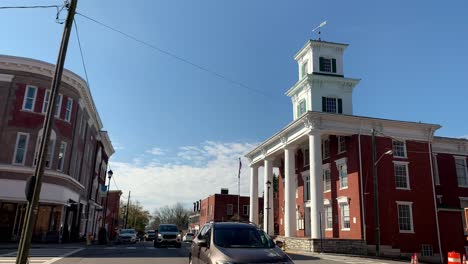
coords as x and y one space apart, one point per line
279 243
202 243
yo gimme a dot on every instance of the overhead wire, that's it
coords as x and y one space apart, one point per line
27 7
177 57
81 53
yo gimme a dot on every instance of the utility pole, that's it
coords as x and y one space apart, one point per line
376 195
36 181
126 213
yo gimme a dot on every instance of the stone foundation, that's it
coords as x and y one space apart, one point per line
330 245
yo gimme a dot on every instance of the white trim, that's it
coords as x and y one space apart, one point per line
435 169
400 162
326 202
6 77
16 148
410 204
342 161
341 205
26 97
342 199
463 159
50 173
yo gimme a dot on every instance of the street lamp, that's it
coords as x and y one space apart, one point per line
268 183
376 190
104 216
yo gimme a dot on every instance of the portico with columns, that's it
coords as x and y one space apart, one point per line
325 164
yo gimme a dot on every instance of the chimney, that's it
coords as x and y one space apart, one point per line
224 191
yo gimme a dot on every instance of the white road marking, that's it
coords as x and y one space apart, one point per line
41 256
130 248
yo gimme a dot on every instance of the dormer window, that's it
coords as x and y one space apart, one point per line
332 105
301 107
327 65
304 69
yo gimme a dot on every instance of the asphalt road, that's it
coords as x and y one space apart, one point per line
144 252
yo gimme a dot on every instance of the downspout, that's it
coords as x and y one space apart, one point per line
363 215
434 195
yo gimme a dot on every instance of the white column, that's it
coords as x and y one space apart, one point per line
289 192
316 183
268 199
253 214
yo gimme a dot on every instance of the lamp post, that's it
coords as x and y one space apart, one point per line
268 206
376 191
104 213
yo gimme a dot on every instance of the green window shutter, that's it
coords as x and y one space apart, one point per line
298 110
323 104
340 106
333 65
321 63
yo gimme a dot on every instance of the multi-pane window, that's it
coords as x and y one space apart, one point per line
345 223
61 156
58 106
21 148
306 157
327 64
29 98
462 175
405 217
229 209
401 175
328 217
301 107
341 144
399 149
45 104
326 180
325 148
304 69
332 105
68 109
427 250
246 209
50 152
343 171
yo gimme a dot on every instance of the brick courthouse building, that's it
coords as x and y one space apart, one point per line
71 199
324 157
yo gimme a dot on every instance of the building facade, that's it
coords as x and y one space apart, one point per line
77 158
222 207
326 165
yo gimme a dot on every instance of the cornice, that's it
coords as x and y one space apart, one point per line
14 63
456 146
347 84
326 123
6 77
50 173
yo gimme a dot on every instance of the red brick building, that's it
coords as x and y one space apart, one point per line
113 209
223 207
326 178
79 150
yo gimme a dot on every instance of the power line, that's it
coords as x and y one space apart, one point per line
27 7
81 52
168 53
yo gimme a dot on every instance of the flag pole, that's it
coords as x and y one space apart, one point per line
238 191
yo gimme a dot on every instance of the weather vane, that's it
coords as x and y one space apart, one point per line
318 28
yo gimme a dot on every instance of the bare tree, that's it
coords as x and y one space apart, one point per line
174 214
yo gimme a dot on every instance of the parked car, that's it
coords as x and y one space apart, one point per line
168 235
188 237
127 236
150 235
235 243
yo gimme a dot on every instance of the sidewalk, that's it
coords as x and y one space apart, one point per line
5 245
350 257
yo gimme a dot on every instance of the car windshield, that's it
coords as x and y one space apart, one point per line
127 231
244 237
168 228
151 232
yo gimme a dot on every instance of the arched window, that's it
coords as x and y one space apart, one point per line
50 149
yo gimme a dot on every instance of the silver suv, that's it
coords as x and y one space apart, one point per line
167 235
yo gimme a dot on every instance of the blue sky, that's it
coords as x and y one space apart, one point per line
166 118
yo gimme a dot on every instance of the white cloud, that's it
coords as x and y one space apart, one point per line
465 136
155 151
193 173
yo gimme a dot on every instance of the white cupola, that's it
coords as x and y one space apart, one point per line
322 86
